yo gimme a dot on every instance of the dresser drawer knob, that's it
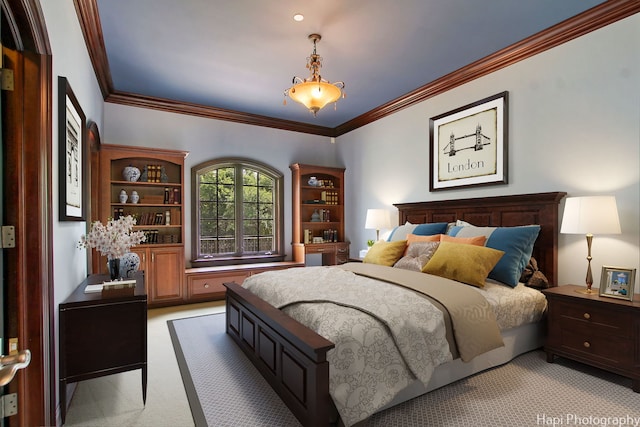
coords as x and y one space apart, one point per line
206 286
587 316
586 344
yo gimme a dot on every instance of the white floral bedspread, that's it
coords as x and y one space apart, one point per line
514 306
376 354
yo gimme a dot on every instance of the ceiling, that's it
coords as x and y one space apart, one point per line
237 57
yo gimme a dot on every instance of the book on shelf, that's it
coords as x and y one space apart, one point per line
175 216
159 219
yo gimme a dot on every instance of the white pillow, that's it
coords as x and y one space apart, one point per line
400 232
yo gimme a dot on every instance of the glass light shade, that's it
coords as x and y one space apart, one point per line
314 95
593 214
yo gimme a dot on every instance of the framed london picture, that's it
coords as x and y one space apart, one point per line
468 146
71 155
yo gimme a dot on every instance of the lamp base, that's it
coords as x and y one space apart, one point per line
586 291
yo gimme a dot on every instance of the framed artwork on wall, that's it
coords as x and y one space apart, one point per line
72 156
468 145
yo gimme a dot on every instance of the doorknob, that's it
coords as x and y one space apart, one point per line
10 364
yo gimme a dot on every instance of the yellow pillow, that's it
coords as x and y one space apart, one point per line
476 240
463 262
385 253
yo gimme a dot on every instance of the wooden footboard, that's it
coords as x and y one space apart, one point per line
290 356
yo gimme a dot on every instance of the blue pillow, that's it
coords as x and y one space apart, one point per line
516 243
402 231
430 229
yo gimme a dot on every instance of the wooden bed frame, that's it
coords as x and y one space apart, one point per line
292 357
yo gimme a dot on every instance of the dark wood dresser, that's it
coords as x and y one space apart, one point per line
599 331
102 334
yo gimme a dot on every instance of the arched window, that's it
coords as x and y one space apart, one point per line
237 213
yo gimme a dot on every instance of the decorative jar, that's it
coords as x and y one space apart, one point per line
135 198
123 196
313 181
129 264
131 173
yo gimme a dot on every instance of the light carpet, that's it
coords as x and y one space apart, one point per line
225 389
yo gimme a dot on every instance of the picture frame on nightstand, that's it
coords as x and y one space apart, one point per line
617 282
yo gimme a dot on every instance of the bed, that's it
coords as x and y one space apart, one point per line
293 358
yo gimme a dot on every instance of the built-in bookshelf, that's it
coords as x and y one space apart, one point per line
155 200
318 213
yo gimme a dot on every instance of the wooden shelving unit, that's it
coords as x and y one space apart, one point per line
159 213
318 213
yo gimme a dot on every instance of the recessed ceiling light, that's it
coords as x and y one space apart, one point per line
298 17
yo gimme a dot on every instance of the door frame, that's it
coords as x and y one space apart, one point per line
29 267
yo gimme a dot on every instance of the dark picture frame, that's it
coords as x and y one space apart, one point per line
617 282
72 156
468 145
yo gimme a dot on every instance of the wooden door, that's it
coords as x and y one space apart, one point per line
27 168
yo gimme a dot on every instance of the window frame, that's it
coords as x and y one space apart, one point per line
237 258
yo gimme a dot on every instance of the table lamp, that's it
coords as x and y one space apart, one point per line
377 219
590 215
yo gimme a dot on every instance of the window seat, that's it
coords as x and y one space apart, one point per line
206 283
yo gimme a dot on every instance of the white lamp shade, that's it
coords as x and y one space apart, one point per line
593 214
377 219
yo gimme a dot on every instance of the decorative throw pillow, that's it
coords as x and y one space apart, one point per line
534 278
402 231
477 240
385 253
417 256
414 238
516 242
463 262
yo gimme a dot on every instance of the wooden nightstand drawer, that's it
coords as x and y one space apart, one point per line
609 348
600 331
605 321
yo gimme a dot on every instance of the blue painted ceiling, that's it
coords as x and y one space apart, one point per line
240 55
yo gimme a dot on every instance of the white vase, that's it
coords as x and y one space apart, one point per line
123 196
129 264
131 173
135 198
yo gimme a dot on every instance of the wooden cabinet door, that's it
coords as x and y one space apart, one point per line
166 274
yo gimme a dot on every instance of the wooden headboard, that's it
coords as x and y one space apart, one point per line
500 211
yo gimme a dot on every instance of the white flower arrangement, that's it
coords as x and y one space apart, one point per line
113 240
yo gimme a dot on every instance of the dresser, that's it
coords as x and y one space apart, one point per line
599 331
102 334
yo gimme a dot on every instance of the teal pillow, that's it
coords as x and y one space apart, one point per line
402 231
430 229
516 243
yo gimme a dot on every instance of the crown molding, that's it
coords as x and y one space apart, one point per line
577 26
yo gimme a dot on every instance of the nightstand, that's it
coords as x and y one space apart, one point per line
598 331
